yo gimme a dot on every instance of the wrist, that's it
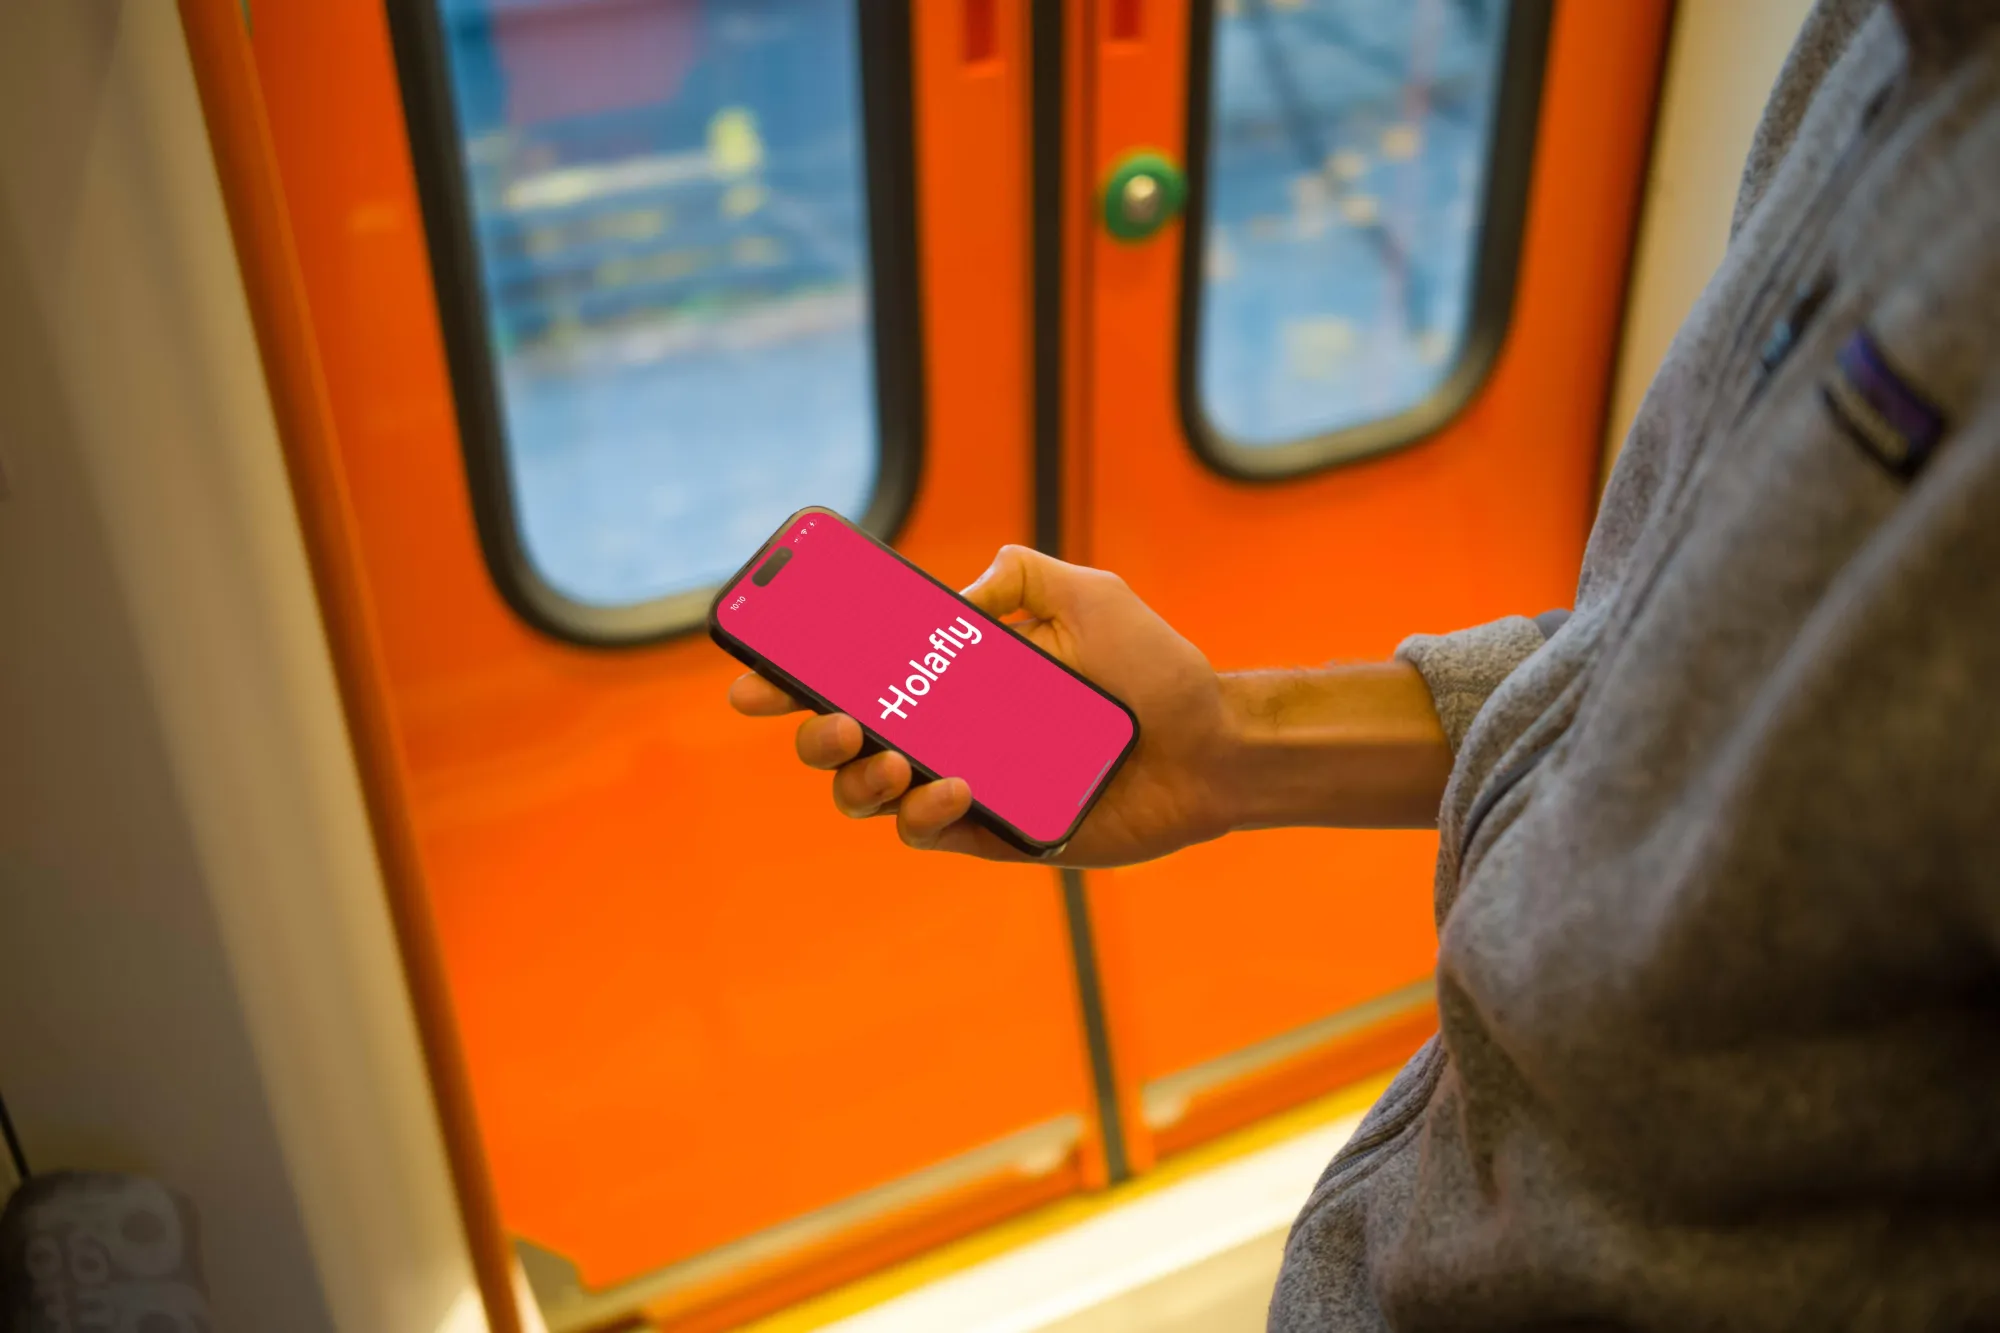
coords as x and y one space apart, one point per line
1356 746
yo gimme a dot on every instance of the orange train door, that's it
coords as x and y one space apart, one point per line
601 291
1355 391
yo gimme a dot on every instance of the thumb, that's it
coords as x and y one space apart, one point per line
1020 579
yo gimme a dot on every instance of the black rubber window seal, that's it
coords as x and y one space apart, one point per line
888 115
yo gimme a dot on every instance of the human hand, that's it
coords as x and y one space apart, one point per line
1165 797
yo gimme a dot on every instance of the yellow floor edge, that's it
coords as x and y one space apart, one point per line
878 1288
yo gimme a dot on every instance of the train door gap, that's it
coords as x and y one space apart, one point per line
1052 349
1097 1029
17 1159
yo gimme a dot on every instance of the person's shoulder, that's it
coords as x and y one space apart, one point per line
1823 40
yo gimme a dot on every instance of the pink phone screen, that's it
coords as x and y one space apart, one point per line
940 682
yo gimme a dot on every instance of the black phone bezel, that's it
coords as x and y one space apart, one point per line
778 676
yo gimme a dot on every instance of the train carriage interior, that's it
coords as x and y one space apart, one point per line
390 385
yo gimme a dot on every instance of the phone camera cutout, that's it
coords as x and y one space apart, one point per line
769 569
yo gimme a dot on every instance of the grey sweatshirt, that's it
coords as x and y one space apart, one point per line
1718 899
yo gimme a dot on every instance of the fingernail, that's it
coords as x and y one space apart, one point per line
981 579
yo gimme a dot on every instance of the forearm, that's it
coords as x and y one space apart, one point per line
1355 746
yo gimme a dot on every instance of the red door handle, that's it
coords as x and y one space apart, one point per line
982 31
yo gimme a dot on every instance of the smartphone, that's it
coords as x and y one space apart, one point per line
847 625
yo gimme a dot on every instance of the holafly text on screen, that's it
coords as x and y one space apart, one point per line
946 644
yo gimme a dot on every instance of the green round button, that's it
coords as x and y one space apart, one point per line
1143 193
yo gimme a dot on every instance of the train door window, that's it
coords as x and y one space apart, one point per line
669 238
1360 173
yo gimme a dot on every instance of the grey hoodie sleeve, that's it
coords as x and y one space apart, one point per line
1464 668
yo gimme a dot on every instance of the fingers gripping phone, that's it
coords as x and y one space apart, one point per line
847 625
